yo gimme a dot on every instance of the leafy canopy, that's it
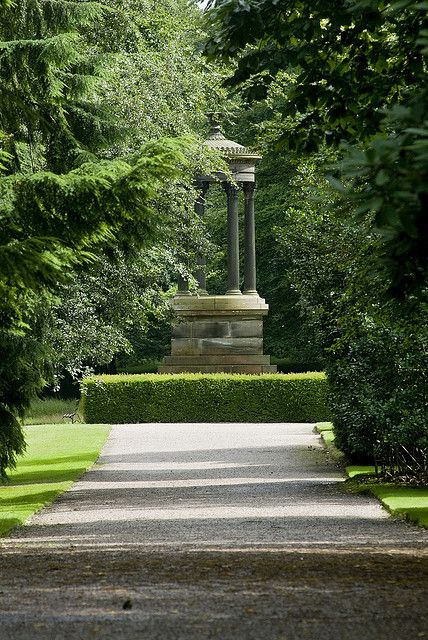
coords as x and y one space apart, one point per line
354 72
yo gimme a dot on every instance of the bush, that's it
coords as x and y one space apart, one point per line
139 366
379 394
205 398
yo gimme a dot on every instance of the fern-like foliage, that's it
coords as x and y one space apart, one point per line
46 78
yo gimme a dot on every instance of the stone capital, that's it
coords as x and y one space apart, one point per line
248 189
231 189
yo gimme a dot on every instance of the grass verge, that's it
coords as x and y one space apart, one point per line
56 456
408 502
325 429
355 470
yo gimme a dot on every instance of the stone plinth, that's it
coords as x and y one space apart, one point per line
218 333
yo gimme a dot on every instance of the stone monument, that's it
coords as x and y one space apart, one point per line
213 333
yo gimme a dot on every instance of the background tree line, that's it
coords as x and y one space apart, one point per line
96 206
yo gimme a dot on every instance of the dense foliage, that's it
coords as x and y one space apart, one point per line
61 206
156 83
292 194
205 398
350 77
351 71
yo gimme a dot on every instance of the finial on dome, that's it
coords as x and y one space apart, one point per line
216 132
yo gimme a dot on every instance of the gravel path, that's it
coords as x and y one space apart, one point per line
225 531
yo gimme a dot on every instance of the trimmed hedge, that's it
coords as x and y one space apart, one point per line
218 397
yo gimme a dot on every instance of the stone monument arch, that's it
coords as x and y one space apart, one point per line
223 333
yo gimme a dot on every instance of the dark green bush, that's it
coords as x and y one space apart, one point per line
379 395
142 366
205 398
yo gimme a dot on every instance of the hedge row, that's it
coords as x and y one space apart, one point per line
186 397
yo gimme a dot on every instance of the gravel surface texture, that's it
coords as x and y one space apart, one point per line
225 531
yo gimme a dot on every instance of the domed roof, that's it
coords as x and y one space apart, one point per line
229 149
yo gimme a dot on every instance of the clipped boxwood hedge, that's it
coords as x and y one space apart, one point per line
218 397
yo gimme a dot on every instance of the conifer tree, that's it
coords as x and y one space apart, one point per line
48 84
58 203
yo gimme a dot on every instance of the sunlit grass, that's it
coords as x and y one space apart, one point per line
359 470
325 429
411 502
323 426
56 456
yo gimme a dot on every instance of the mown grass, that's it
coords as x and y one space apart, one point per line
56 456
50 411
355 470
325 429
408 502
324 426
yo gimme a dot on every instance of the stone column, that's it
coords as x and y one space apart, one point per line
201 260
250 240
232 239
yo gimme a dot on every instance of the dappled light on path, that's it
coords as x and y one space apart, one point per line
231 532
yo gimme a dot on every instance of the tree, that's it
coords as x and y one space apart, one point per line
157 84
359 75
51 221
352 76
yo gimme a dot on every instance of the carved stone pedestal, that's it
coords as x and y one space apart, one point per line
218 334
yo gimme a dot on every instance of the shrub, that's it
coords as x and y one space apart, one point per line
205 398
379 395
139 366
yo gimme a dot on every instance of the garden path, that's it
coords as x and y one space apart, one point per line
225 531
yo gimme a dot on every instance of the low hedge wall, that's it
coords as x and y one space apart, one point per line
299 397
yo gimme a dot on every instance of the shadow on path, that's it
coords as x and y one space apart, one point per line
214 531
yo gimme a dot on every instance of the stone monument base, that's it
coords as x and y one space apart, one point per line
218 334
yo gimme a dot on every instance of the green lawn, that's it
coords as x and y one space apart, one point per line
325 429
57 454
323 426
359 470
411 502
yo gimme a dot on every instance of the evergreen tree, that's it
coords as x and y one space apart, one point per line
158 84
51 217
48 84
